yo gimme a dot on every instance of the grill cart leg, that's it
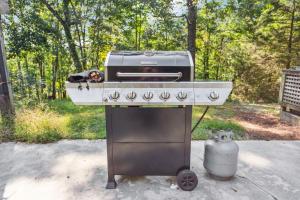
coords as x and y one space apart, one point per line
111 183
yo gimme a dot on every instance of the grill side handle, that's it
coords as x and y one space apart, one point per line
124 74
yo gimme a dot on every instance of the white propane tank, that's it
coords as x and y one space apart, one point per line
221 156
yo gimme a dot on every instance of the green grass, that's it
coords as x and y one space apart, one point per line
216 119
6 128
61 119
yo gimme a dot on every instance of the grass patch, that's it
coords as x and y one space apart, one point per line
37 126
61 119
7 129
208 128
216 119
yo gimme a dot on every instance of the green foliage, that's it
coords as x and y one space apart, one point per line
248 42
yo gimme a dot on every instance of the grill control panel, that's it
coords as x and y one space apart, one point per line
149 93
152 93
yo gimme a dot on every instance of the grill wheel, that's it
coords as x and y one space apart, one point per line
187 180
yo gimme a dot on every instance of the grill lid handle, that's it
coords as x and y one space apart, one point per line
124 74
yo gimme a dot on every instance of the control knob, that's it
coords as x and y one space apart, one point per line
131 95
213 96
165 95
148 96
114 96
181 96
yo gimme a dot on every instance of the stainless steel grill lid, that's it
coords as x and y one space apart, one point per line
149 58
149 66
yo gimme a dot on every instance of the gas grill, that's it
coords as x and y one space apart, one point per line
148 99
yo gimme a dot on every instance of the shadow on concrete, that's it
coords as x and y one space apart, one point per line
29 170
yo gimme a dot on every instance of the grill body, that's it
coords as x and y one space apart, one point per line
148 99
148 140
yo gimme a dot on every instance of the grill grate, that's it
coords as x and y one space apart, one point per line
291 90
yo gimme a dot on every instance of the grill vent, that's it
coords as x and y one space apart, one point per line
291 90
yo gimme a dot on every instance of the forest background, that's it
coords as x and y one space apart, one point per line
248 42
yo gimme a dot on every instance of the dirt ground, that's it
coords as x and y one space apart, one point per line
264 123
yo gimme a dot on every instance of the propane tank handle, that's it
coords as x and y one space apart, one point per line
224 136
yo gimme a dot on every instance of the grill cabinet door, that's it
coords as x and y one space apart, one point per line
136 124
139 159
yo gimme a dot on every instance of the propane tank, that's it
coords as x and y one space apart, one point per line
221 156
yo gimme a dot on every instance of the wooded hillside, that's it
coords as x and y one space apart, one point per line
247 41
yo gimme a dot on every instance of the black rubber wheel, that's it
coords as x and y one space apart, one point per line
187 180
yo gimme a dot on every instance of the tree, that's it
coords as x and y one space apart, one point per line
229 40
192 24
66 23
7 109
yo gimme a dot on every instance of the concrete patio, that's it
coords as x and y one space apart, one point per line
77 170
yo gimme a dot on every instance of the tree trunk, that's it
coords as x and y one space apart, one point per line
192 22
206 58
7 109
42 77
136 27
290 42
166 37
67 29
37 87
140 29
72 48
79 40
55 65
219 59
28 76
61 88
20 78
84 55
